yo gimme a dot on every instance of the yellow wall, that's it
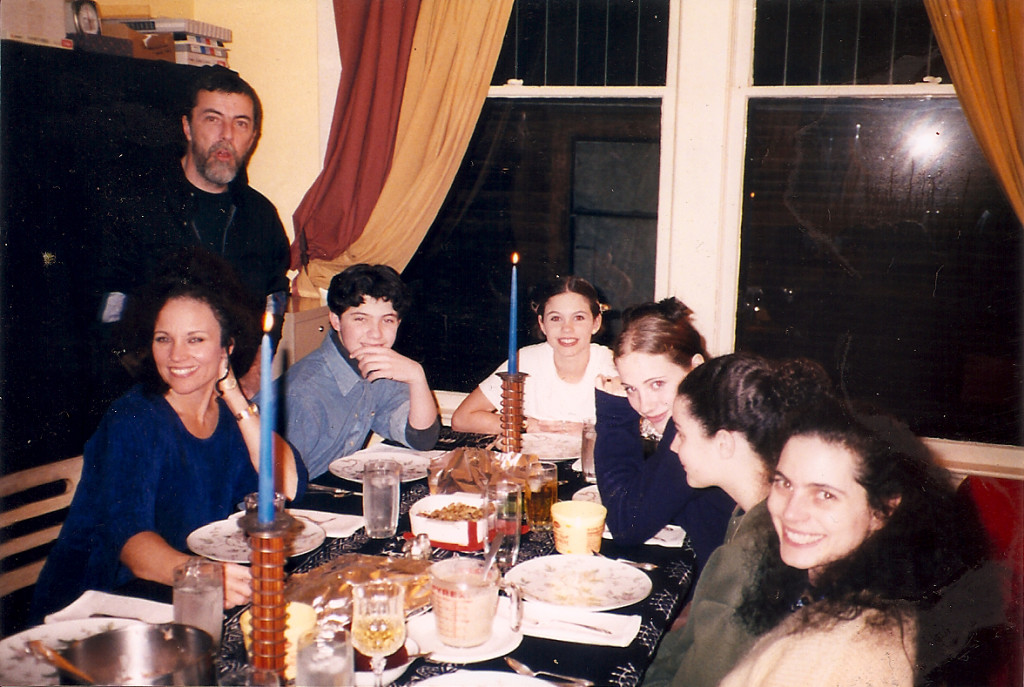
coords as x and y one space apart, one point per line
274 48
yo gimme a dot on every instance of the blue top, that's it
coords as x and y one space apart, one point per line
143 471
643 495
330 409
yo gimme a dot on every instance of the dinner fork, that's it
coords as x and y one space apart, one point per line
334 491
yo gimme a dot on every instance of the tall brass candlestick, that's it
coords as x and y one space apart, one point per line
512 411
269 609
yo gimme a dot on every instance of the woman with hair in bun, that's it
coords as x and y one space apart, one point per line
657 349
558 394
729 417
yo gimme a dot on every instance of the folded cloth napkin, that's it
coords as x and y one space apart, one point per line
92 602
566 624
336 525
671 536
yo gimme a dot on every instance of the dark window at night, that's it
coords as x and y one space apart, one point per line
585 43
571 185
876 241
819 42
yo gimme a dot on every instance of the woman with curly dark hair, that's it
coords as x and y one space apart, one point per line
179 450
868 539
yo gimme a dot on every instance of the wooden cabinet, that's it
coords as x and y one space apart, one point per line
305 325
68 122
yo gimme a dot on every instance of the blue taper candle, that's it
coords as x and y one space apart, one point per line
513 319
268 413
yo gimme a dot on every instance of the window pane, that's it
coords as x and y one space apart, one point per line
569 184
876 241
816 42
585 43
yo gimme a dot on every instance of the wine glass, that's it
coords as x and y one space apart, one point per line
378 622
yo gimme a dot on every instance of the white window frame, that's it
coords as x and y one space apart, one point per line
709 81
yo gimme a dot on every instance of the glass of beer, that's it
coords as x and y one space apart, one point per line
541 493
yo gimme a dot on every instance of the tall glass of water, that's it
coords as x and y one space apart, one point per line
199 595
325 659
382 478
378 622
504 510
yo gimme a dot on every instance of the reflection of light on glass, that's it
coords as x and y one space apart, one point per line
925 142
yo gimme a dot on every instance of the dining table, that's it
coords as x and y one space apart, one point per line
623 663
625 666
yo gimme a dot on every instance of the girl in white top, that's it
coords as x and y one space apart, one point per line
558 394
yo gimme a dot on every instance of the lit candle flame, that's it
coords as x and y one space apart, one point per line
515 258
268 321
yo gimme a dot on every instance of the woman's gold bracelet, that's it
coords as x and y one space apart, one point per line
252 410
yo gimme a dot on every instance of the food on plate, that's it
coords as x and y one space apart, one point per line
328 587
454 512
455 521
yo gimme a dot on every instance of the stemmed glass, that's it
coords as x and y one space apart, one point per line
378 622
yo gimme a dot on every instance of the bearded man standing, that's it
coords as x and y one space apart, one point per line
201 200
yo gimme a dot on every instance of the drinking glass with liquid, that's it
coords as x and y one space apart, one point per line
378 621
199 596
382 478
541 494
504 508
325 659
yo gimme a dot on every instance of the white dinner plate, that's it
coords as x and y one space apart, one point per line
18 667
552 445
414 463
337 525
503 640
588 493
590 582
475 678
364 678
225 541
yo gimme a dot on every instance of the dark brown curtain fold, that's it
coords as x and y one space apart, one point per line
982 42
374 40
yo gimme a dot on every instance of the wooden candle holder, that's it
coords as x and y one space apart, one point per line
269 609
512 411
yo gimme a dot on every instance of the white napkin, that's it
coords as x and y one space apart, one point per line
671 536
566 624
94 602
336 525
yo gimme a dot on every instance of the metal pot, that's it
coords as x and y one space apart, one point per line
168 654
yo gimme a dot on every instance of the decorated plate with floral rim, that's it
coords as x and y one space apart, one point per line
225 541
590 582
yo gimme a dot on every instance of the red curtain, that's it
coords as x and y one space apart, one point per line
374 40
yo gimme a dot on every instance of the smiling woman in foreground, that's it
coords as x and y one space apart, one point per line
869 541
176 452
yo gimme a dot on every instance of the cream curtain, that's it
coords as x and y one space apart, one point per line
455 48
982 42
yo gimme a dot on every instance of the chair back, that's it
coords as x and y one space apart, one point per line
1000 507
26 498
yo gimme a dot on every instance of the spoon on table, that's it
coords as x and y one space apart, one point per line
639 566
37 648
524 669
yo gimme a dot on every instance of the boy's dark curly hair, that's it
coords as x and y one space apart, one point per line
349 287
929 538
200 275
